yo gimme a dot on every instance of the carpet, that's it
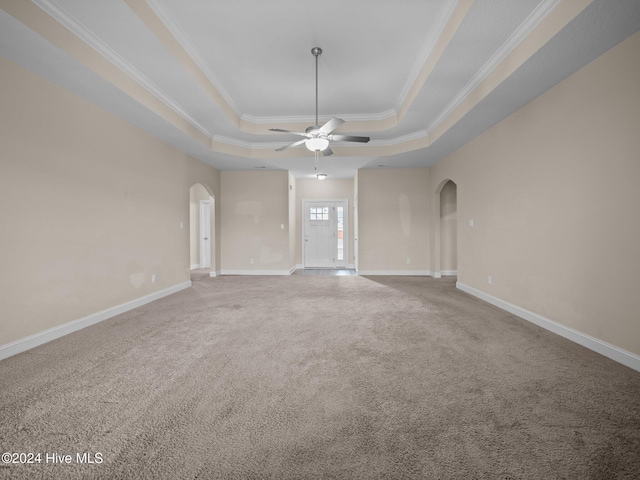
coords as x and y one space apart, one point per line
319 377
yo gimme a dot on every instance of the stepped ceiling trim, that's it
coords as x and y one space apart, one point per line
423 108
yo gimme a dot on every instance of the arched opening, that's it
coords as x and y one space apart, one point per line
445 238
202 258
448 229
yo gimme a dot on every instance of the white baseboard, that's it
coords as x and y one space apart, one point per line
255 272
415 273
349 266
215 273
448 273
41 338
194 266
624 357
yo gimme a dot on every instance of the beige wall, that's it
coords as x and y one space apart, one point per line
91 208
553 192
328 189
255 206
393 220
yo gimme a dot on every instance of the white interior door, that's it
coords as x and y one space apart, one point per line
205 234
324 234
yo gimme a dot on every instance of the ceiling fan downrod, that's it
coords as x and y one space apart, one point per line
317 137
316 51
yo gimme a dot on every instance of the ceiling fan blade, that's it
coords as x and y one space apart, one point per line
349 138
295 144
287 131
331 125
327 151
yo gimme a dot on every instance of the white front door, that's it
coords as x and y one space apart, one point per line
205 234
324 234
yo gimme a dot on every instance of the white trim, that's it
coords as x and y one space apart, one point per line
273 145
41 338
624 357
255 272
242 143
448 273
395 141
194 266
347 117
161 11
335 202
525 28
202 220
111 55
214 274
349 266
434 34
415 273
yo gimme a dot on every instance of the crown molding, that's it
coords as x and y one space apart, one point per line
112 56
544 8
525 28
443 18
310 119
396 141
231 141
272 145
248 145
162 13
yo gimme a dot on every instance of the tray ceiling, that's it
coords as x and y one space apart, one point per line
420 77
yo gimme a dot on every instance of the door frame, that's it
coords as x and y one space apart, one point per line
345 233
205 221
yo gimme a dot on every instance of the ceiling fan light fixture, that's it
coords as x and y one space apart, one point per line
318 137
321 176
317 144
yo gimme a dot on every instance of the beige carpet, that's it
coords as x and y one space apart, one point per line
320 377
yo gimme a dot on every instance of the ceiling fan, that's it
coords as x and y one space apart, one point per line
317 137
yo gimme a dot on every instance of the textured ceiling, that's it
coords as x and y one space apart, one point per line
420 77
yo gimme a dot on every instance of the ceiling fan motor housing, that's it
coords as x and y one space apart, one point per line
318 137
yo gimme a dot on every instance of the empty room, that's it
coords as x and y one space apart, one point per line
312 240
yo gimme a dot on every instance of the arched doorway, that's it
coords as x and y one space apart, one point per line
445 252
202 230
448 229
